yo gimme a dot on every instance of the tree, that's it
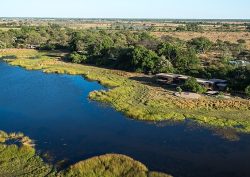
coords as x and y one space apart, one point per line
98 43
78 58
180 28
247 91
169 51
193 27
7 38
34 38
239 78
76 43
144 60
187 60
57 36
163 65
225 26
182 59
201 44
124 60
148 41
192 85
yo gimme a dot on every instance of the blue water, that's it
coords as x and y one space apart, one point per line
54 110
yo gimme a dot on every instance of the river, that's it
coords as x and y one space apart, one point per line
54 110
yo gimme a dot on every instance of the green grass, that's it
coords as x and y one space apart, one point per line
21 160
7 28
140 101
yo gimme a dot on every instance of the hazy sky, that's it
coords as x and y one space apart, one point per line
126 8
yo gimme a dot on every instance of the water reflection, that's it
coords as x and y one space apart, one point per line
54 110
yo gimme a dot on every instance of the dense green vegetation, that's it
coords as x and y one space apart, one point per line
49 37
137 51
20 159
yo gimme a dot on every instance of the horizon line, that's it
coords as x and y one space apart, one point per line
133 18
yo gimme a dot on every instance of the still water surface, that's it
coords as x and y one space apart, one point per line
54 110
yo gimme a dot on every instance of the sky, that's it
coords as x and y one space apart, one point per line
187 9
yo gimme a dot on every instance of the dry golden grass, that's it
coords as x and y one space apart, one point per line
213 36
90 25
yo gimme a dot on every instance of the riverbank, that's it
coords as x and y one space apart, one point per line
139 100
20 159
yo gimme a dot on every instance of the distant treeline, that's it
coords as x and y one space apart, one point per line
152 25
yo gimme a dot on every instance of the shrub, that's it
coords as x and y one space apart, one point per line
247 91
201 44
192 85
241 41
179 90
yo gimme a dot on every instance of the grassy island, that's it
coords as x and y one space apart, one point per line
137 99
19 158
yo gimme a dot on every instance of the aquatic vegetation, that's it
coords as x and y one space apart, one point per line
22 160
17 137
110 165
145 102
3 136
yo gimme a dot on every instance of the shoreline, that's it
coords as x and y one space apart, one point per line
144 102
24 158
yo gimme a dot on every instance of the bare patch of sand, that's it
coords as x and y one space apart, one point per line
188 95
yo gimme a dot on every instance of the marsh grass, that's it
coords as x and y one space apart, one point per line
17 137
110 165
18 158
24 162
140 101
